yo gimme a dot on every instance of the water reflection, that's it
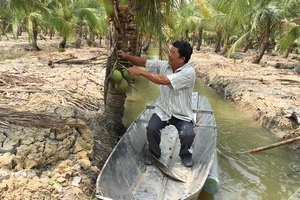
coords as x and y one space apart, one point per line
12 55
264 175
269 175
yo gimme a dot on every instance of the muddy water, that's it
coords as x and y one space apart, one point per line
11 55
269 175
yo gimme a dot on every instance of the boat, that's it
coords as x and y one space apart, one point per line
125 176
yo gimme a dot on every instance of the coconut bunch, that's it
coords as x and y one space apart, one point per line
120 76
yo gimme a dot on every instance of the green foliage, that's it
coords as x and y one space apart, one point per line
290 37
162 20
62 26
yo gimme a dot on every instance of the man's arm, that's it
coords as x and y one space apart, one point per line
155 78
136 60
139 61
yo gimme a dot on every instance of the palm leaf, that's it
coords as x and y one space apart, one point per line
89 14
62 26
290 37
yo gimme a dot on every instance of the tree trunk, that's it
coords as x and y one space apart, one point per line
139 43
78 40
199 39
265 40
226 47
114 110
114 100
261 52
288 51
132 37
3 29
218 42
34 37
62 43
249 44
187 35
52 32
193 39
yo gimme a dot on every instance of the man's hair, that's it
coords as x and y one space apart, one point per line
184 49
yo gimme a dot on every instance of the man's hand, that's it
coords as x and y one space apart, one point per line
135 71
122 54
155 78
136 60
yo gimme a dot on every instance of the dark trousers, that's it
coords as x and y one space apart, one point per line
185 131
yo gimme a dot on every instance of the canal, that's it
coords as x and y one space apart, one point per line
268 175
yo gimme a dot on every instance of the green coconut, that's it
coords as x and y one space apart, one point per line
127 75
116 76
121 86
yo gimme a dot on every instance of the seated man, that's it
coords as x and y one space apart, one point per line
174 106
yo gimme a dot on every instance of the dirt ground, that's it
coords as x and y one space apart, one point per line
269 91
52 103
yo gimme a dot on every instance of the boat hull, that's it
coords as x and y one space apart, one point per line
125 175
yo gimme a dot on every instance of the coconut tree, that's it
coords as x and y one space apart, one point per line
260 22
89 18
5 17
123 18
31 13
119 17
190 17
289 33
290 37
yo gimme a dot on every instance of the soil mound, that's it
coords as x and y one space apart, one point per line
50 123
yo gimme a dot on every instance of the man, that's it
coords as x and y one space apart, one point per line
176 79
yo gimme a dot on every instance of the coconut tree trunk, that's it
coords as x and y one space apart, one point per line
114 100
52 32
187 35
34 37
132 37
78 40
288 51
249 44
193 39
218 42
62 43
3 28
265 40
200 33
226 47
114 109
258 57
138 44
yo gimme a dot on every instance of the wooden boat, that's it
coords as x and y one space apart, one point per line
125 176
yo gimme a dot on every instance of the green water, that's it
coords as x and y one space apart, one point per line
269 175
12 56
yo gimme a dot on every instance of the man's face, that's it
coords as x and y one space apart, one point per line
174 58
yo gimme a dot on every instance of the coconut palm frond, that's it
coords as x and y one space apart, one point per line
290 37
62 26
33 19
90 15
204 8
237 44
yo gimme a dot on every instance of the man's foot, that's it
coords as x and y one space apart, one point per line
187 161
148 161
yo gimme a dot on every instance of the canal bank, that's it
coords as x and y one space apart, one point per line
268 91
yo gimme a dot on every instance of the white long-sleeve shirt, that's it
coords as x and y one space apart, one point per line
175 99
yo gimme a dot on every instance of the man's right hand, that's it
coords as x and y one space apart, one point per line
122 54
135 60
